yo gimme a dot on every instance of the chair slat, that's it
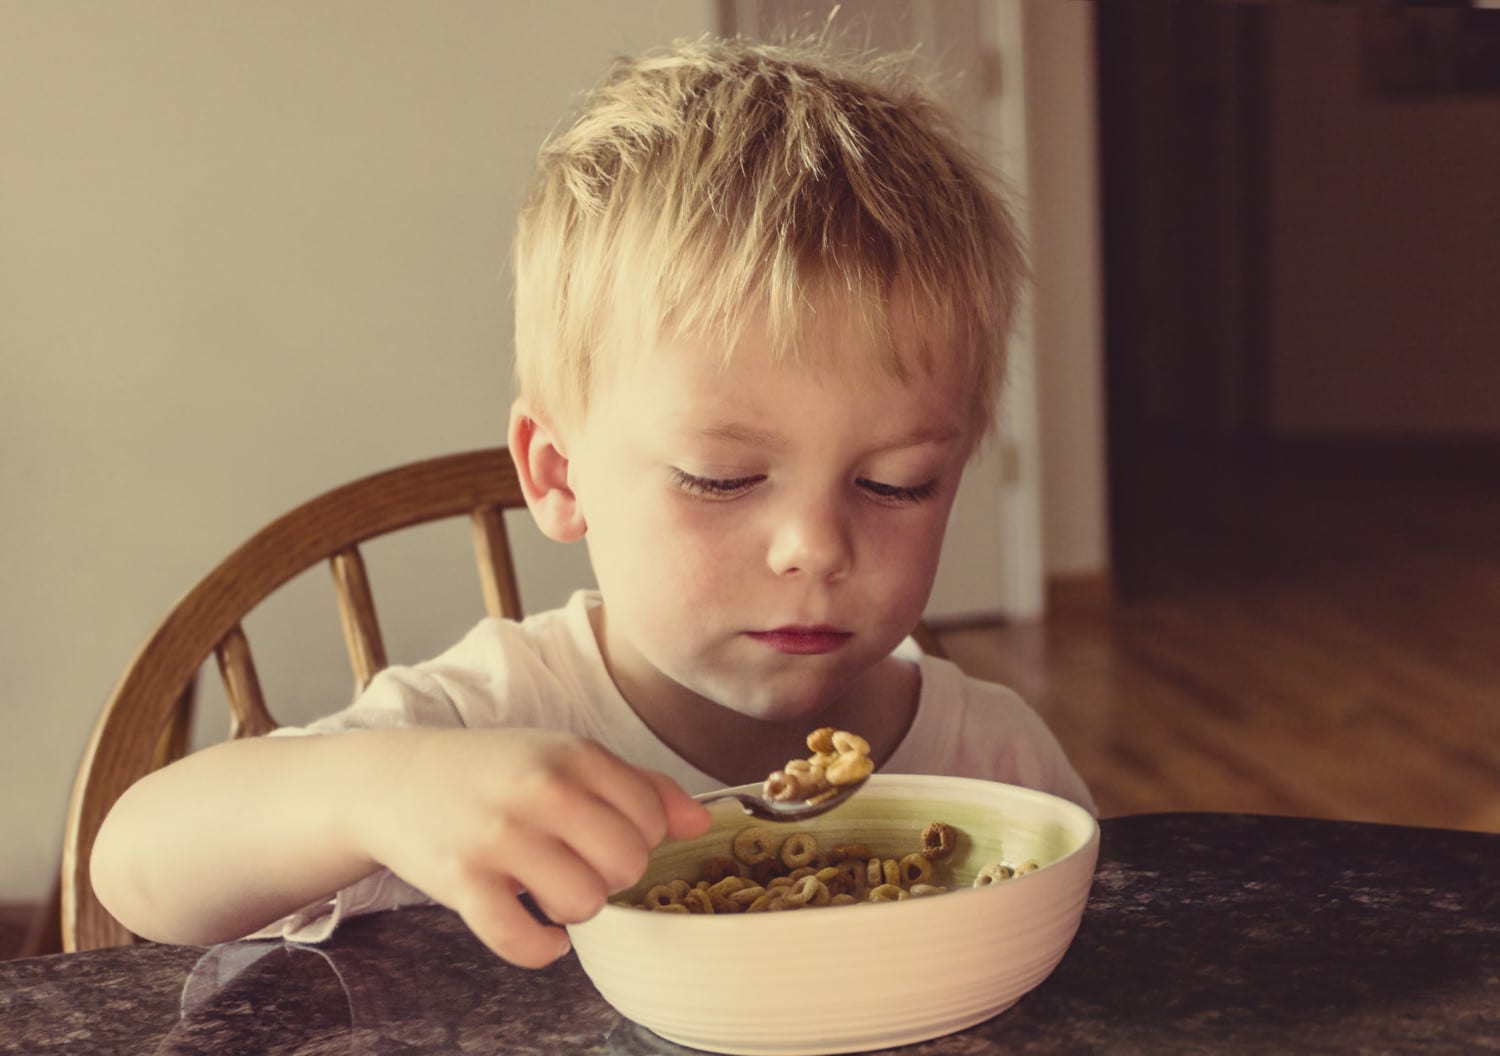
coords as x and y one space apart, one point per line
497 570
248 716
357 610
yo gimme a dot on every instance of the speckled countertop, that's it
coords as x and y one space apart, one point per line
1204 933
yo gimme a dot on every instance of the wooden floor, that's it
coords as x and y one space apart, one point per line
1315 632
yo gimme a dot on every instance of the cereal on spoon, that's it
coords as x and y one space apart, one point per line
838 758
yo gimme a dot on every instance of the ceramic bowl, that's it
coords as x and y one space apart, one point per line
851 978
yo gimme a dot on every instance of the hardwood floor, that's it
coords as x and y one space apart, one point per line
1314 631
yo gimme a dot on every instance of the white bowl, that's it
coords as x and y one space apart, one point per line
850 978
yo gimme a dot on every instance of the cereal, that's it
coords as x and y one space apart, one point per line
993 873
846 743
798 850
838 758
847 769
916 869
846 851
821 741
659 896
767 874
755 844
938 840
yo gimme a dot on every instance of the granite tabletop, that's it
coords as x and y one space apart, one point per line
1204 933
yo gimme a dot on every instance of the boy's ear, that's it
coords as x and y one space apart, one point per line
541 458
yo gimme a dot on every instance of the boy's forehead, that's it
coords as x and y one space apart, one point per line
831 338
702 378
733 395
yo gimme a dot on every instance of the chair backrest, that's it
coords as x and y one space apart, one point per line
143 724
141 727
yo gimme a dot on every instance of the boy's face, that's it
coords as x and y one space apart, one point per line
762 534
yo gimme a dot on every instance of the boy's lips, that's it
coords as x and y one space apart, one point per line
802 641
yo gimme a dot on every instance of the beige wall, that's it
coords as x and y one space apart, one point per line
1385 255
248 251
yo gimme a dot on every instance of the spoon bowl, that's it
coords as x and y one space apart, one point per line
757 805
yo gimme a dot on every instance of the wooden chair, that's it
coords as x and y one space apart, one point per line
144 723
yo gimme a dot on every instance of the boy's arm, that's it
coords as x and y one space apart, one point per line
231 838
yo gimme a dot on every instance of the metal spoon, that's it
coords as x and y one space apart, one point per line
757 805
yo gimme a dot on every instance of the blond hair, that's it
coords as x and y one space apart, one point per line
724 180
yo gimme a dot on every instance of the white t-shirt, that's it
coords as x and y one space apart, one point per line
546 671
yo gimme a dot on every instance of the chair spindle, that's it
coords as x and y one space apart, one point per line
497 570
248 716
357 611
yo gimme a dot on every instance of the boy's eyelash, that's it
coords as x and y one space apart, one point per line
732 487
896 494
713 487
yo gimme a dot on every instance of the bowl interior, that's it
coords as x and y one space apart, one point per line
994 823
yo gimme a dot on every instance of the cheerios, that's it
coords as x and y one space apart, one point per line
659 896
845 743
916 869
755 844
847 769
846 851
939 840
769 874
716 869
821 741
887 893
993 873
838 758
798 849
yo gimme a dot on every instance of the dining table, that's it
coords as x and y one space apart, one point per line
1203 933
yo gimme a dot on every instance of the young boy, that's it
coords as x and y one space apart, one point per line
762 301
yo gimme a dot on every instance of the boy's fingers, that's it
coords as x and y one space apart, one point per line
619 784
600 836
686 817
564 882
504 925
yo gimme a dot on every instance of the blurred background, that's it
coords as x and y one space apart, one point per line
1239 540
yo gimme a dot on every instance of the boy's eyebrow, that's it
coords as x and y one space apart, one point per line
742 433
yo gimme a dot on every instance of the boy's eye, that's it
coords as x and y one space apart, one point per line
714 487
896 495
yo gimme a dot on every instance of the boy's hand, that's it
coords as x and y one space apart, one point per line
472 817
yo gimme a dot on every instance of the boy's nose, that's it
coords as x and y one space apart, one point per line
813 542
